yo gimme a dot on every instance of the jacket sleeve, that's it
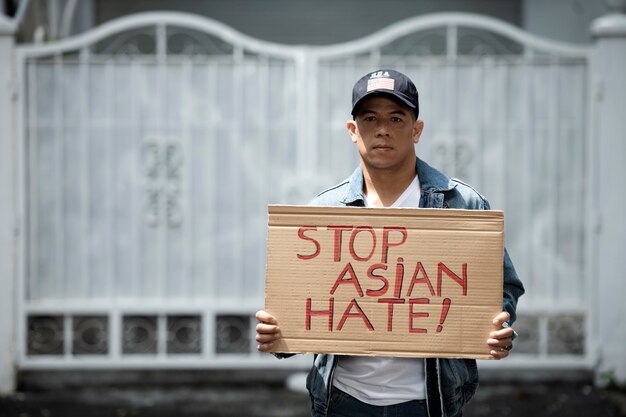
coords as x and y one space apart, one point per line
513 288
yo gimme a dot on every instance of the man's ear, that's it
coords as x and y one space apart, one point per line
351 126
418 128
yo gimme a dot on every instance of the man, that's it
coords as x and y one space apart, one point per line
385 128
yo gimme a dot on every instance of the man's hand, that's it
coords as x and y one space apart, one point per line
267 331
501 340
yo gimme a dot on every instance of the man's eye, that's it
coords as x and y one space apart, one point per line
396 119
369 118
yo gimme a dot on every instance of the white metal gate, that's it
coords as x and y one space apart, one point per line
152 144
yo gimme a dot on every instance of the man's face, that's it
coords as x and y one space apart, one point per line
385 132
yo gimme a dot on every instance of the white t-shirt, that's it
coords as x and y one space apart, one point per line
379 380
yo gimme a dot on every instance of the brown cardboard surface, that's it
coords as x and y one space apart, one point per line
398 281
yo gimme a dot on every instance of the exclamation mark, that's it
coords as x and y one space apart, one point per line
444 314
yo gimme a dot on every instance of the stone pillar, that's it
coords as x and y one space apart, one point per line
7 207
608 192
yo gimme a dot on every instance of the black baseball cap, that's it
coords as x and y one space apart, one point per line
385 81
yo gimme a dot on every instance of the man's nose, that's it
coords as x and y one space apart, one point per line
381 129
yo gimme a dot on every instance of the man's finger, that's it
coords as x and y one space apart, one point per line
265 317
501 318
499 343
267 338
264 347
267 328
499 354
506 333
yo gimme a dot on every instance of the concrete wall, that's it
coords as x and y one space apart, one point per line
315 22
609 149
329 21
7 208
564 20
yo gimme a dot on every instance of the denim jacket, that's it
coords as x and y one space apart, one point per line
450 383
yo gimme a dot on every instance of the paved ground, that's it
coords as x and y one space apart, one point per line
493 399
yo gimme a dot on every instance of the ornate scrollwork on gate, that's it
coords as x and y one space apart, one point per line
139 335
424 43
45 335
567 335
177 41
181 41
469 42
173 175
162 169
184 334
476 42
455 159
527 327
151 172
232 334
90 335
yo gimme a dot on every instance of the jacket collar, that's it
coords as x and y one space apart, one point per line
431 181
354 194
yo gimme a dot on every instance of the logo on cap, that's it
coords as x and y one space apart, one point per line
380 74
380 80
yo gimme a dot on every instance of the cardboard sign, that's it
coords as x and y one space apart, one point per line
384 282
